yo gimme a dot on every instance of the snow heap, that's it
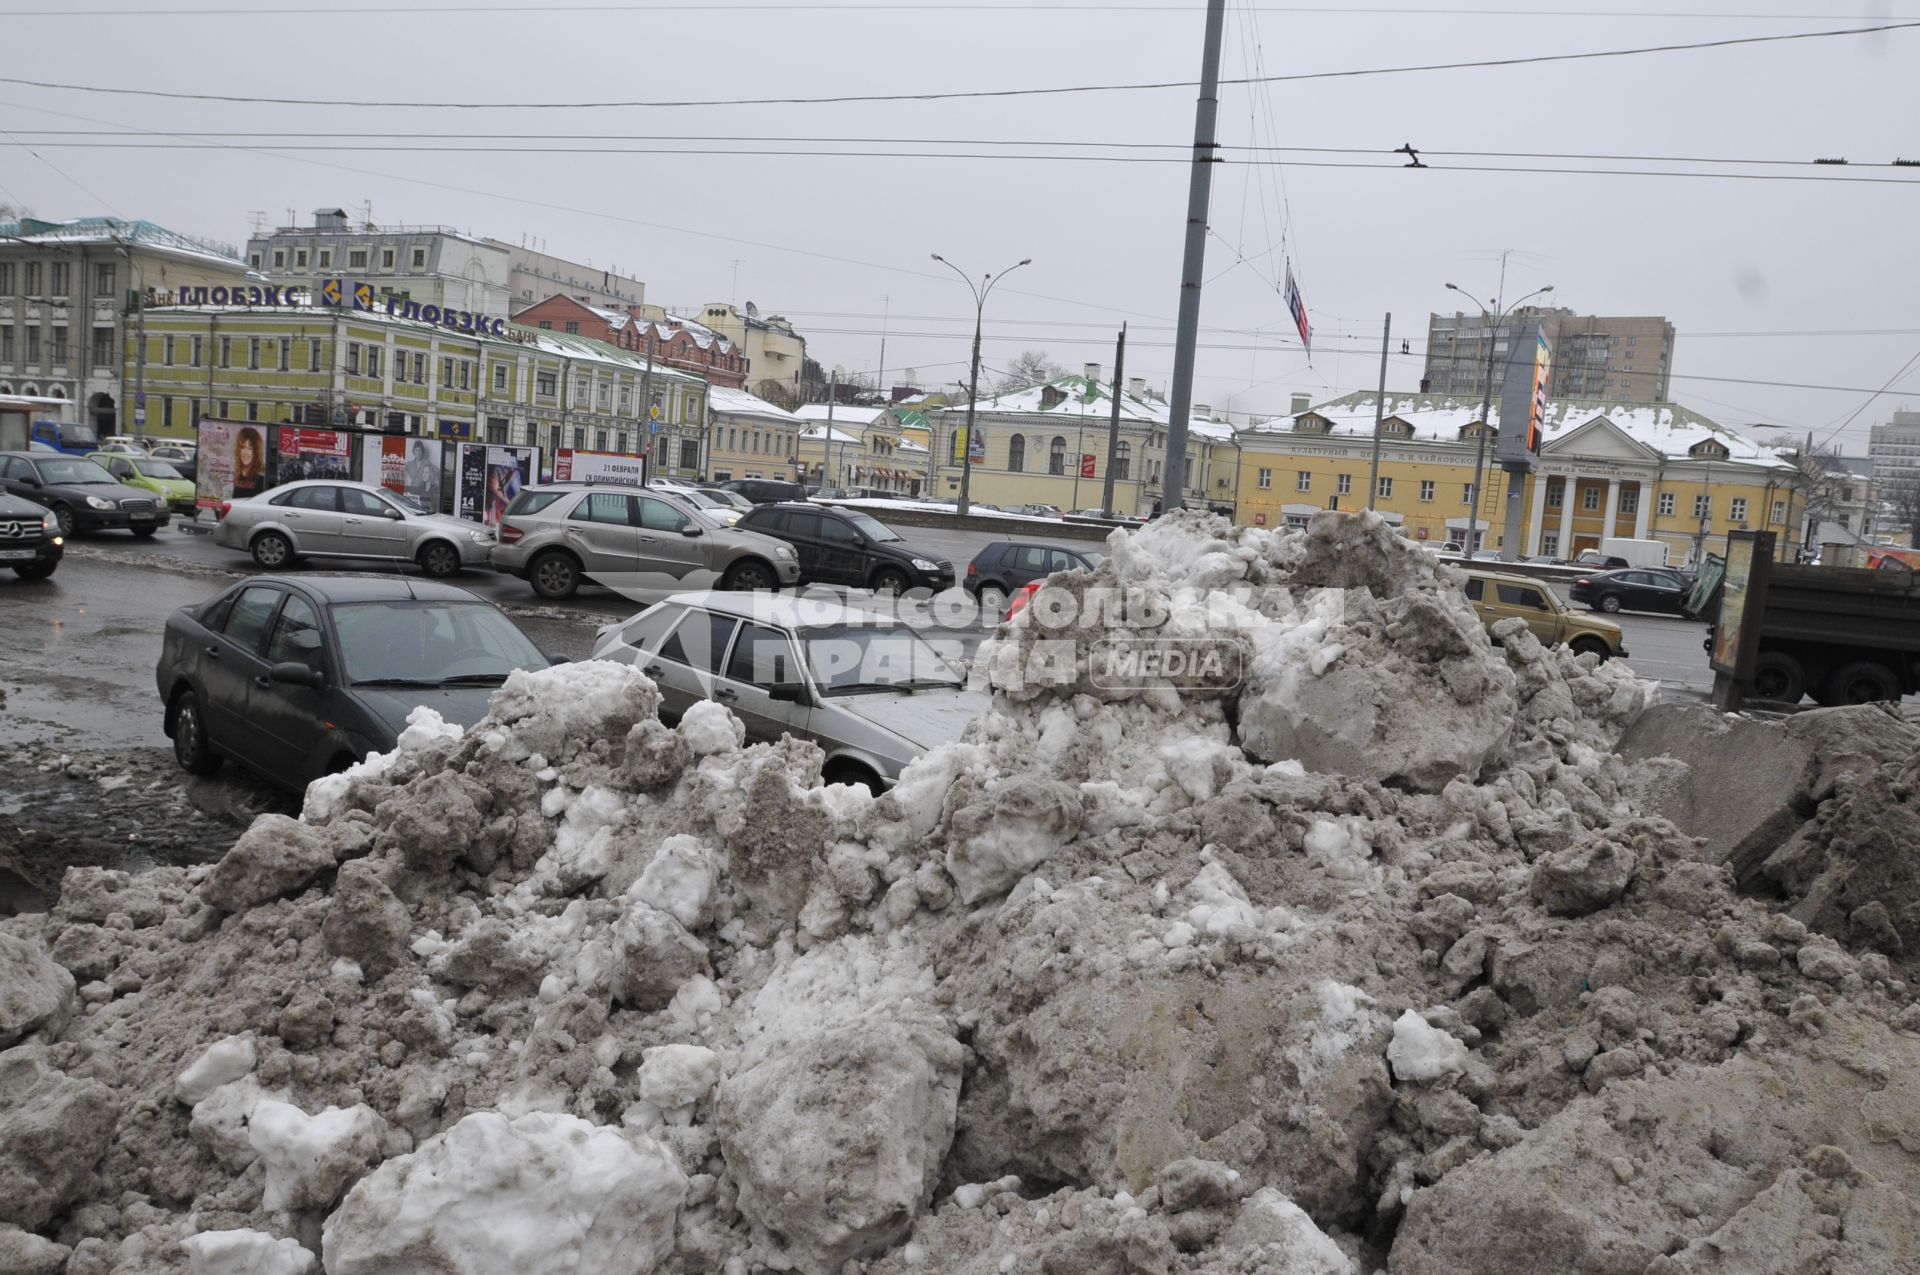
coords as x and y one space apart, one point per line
1353 946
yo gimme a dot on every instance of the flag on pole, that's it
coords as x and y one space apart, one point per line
1298 308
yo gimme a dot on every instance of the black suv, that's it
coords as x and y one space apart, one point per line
82 495
1005 565
845 546
30 540
766 491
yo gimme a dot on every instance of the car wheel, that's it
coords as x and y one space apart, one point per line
143 533
1863 682
852 773
191 747
272 550
439 560
993 603
38 571
1592 646
1610 603
891 581
748 576
1779 677
554 575
64 516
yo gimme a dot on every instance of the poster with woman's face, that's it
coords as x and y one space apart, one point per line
249 461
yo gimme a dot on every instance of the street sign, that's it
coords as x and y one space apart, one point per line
140 398
653 427
139 416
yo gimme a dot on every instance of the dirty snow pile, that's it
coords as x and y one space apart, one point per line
1364 947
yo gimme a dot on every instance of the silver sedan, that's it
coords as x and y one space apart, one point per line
324 518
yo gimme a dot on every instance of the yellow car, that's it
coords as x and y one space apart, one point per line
148 474
1500 597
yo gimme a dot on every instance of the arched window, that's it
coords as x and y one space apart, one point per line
1017 454
56 392
1122 459
1057 455
30 390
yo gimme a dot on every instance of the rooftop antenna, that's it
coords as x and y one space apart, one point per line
368 222
733 289
258 218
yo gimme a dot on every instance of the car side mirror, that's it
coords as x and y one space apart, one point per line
294 673
690 530
556 659
393 515
787 693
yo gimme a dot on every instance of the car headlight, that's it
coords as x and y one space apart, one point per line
783 551
480 537
49 523
98 503
921 564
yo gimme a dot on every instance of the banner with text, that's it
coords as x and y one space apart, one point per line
408 466
573 466
313 453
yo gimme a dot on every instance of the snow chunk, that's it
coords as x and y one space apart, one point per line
1340 846
679 881
425 726
673 1076
1423 1052
1280 1230
710 727
543 1194
220 1063
310 1160
245 1252
1220 903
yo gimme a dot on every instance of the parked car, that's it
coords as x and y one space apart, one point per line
847 546
299 676
72 437
30 539
1631 590
766 491
725 511
558 536
160 477
1500 597
873 695
184 459
829 493
1000 569
1594 560
322 518
123 446
1034 511
721 494
82 496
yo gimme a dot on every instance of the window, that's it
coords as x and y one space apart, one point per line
353 358
1779 511
30 278
386 258
499 378
700 642
547 324
1263 478
33 346
1303 480
279 258
466 374
573 326
1737 509
356 258
247 621
286 353
496 429
763 657
325 259
1123 461
1476 588
1017 454
419 368
1550 544
1590 498
59 344
658 515
57 279
446 372
1702 506
102 346
6 343
1516 595
6 278
299 258
1630 501
1386 487
253 353
599 440
226 351
1466 493
313 355
604 507
254 261
1556 495
1343 484
419 258
732 439
373 361
1426 489
1057 456
1665 504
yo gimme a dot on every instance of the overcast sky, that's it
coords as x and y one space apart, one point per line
1812 282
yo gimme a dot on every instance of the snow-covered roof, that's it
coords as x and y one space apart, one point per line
114 230
673 325
1664 428
843 413
572 346
732 402
1088 398
820 433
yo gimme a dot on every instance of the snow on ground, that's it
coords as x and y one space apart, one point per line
1353 947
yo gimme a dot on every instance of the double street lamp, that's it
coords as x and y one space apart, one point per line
980 292
1491 320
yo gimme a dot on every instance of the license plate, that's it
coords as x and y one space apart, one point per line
17 555
139 517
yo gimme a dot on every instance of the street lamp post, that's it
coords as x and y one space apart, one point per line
1493 318
980 292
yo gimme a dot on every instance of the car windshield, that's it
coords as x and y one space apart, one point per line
409 503
703 499
733 498
849 659
74 471
157 469
430 643
1093 556
873 528
79 436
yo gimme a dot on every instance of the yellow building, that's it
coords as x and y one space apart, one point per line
868 449
776 354
1644 471
751 438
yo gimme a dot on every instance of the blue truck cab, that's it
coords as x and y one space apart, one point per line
71 437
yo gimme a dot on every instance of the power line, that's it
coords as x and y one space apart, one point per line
981 7
953 95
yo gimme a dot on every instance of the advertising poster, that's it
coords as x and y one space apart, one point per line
231 463
1733 605
313 453
409 466
1086 464
571 466
488 477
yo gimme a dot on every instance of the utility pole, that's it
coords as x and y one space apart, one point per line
1379 413
646 409
980 293
826 451
1113 424
880 373
1173 480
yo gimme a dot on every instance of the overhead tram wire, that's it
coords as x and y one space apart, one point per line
972 94
942 6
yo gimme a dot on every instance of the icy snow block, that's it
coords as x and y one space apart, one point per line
652 955
53 1130
836 1142
276 856
1278 1233
22 1253
673 1076
245 1252
1420 1051
221 1063
544 1194
36 993
1008 830
310 1160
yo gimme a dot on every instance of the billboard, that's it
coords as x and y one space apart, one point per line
313 453
574 466
408 466
231 463
488 476
979 443
1523 396
1086 464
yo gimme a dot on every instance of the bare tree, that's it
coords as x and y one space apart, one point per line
1029 367
1901 499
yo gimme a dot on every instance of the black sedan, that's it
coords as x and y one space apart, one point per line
82 496
30 539
300 677
845 546
999 571
1635 589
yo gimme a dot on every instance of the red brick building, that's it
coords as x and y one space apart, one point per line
677 343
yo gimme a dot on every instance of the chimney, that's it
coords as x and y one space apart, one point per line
1092 370
1426 384
1137 386
330 219
1203 410
1301 403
